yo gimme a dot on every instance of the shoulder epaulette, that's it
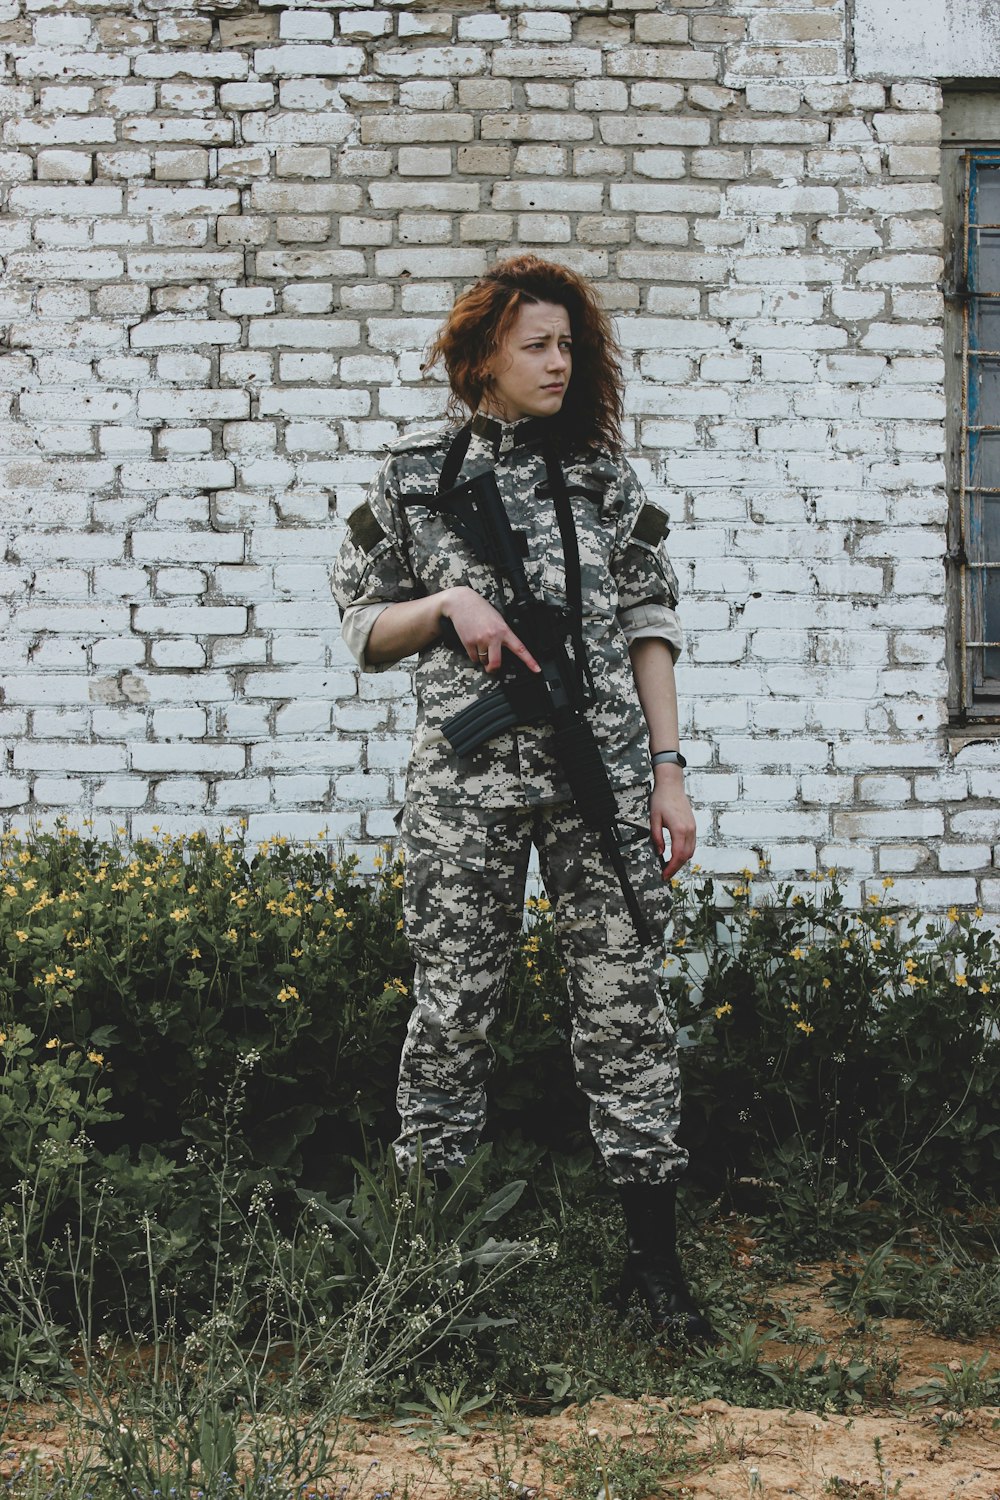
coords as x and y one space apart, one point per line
651 526
366 533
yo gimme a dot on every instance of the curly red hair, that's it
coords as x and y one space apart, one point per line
483 316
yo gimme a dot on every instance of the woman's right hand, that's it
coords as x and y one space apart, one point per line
482 629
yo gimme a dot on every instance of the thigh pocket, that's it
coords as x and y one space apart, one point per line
444 875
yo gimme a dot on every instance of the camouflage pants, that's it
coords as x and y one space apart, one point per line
463 903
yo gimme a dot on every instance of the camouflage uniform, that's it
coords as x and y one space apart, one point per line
468 825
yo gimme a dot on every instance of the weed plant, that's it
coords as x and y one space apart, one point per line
245 1401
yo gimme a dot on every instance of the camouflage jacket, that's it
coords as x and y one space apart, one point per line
394 552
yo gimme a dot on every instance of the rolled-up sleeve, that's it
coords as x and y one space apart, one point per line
371 571
647 583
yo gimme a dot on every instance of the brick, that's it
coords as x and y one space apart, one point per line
73 200
537 127
165 332
484 161
687 130
201 64
43 64
396 129
185 266
418 195
432 62
202 620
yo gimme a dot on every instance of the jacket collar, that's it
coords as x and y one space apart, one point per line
504 436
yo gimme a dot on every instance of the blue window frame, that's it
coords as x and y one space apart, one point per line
979 520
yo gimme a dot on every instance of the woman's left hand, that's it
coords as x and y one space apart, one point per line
670 813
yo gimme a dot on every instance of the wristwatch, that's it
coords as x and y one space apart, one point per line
669 758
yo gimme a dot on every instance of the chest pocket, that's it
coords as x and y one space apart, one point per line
440 559
594 540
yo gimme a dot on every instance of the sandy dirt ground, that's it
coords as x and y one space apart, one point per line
907 1449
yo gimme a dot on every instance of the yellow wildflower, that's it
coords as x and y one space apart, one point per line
877 944
985 989
10 890
21 935
194 953
798 953
545 1017
804 1027
795 1006
397 881
95 1057
179 913
52 1044
29 885
953 914
888 883
910 965
288 992
887 921
826 984
723 1010
231 935
961 980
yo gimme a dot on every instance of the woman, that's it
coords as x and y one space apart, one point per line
529 352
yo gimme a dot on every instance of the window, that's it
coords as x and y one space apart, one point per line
972 193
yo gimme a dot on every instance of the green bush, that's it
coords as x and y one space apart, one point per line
832 1049
189 1002
167 963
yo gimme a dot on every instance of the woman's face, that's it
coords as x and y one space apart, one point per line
531 370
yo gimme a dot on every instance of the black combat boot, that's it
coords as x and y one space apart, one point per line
652 1268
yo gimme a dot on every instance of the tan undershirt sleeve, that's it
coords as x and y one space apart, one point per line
356 627
646 621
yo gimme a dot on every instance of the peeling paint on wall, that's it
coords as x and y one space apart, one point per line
927 38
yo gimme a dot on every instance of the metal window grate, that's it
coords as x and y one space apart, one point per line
979 511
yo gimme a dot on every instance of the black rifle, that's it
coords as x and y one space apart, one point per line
476 511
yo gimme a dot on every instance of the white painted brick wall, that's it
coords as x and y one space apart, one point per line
227 240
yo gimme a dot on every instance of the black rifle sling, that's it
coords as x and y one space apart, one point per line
454 459
571 563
